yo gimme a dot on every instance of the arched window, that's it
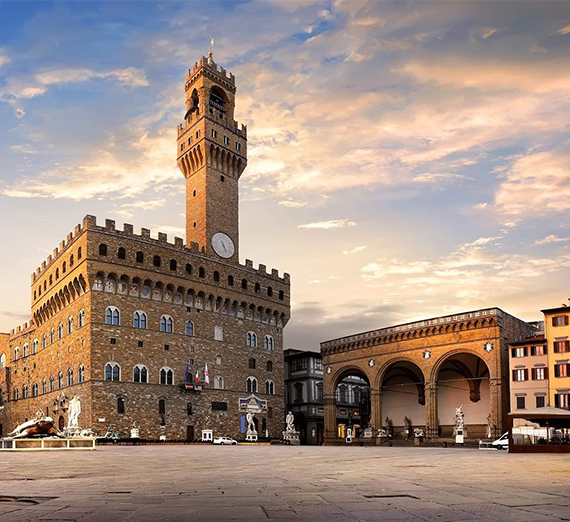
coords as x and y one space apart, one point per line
51 384
162 407
60 331
70 325
64 267
121 253
251 339
216 276
112 372
189 328
140 374
166 324
269 291
52 336
16 353
166 376
188 268
25 350
257 288
71 261
269 343
35 344
251 363
281 295
81 374
139 257
56 274
44 341
218 383
230 280
79 253
218 333
70 377
60 380
173 264
120 405
342 394
24 392
269 387
156 260
139 320
44 386
102 249
16 394
251 385
244 284
81 318
269 366
112 316
202 272
2 361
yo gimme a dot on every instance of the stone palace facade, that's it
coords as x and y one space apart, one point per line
128 323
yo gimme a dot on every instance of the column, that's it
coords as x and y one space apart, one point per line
432 424
376 409
330 419
498 426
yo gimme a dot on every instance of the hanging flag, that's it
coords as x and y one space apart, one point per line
197 378
212 42
206 375
187 371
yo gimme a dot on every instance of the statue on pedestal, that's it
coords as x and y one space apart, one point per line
290 420
41 426
459 431
291 435
74 412
251 434
407 428
135 432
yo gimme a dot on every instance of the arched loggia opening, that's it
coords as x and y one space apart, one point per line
403 399
352 400
463 380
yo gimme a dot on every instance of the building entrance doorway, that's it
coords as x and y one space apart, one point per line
190 433
352 398
61 423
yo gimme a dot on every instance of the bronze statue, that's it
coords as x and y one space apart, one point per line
39 427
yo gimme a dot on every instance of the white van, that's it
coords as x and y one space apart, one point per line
502 443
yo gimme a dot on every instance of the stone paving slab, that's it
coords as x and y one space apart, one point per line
279 483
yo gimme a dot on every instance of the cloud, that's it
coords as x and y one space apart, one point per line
482 33
536 184
551 239
564 30
168 229
436 178
127 209
24 149
328 225
104 174
354 250
384 267
3 58
289 203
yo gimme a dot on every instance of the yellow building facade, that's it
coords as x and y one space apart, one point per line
557 330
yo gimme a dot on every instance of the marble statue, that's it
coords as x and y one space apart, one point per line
290 420
74 406
407 428
250 424
489 426
135 432
418 432
459 417
39 427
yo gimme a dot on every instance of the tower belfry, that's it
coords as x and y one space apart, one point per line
212 154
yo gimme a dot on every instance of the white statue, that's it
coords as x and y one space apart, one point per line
74 412
290 420
459 417
135 432
250 423
418 432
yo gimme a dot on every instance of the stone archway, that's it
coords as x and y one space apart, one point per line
352 401
463 379
402 389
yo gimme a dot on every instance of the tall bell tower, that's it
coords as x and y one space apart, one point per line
212 154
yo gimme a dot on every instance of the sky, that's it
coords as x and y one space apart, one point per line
406 159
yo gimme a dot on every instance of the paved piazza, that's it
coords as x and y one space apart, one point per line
209 483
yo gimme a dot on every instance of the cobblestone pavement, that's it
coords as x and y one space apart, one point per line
254 483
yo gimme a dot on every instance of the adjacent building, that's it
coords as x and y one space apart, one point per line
304 393
529 374
419 373
557 329
128 322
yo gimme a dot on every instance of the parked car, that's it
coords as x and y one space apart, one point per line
502 443
225 440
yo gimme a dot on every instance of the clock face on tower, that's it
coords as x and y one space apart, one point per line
223 245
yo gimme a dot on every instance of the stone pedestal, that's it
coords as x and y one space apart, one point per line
292 437
251 436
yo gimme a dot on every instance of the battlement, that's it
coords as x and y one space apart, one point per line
212 67
22 329
63 245
90 223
